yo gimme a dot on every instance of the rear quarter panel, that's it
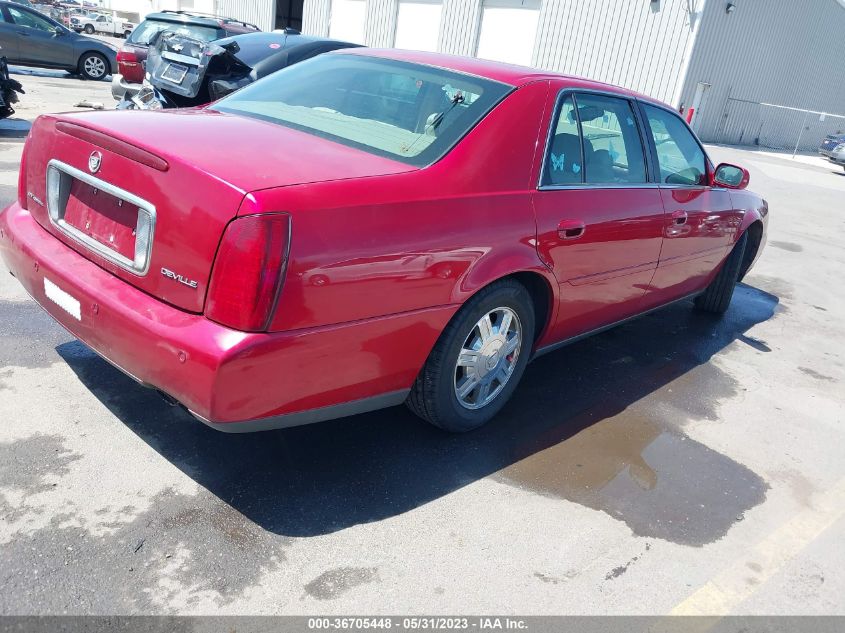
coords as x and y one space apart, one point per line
386 245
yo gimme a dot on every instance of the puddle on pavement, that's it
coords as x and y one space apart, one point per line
639 467
786 246
815 374
29 335
773 285
334 583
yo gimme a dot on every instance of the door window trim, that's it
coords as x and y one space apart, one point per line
646 144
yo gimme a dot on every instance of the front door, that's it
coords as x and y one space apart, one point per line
8 37
700 219
103 24
39 40
599 220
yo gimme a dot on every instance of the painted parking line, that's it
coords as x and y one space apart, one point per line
722 594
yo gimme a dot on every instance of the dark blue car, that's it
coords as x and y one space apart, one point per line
830 141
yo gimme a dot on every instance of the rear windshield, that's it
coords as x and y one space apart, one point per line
148 29
408 112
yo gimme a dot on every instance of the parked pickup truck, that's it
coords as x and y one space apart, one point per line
100 23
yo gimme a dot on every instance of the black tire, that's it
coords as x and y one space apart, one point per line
717 297
89 29
433 396
93 66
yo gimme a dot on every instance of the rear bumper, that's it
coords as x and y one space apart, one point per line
231 380
120 88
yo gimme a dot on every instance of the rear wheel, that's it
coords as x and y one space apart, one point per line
93 66
478 361
89 29
717 297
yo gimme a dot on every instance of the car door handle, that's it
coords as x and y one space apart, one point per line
679 217
571 229
24 33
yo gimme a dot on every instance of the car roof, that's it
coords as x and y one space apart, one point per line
187 17
285 40
510 74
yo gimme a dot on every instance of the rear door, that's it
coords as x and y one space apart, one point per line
599 218
700 219
39 40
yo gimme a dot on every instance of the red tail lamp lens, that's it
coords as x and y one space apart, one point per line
248 272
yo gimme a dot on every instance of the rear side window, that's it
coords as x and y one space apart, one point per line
148 29
679 156
613 149
595 140
564 164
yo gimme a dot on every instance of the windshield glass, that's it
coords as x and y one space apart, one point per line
145 33
408 112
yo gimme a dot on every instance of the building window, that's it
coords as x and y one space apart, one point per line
418 24
508 30
347 20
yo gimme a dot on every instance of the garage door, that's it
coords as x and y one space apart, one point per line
347 20
508 30
418 24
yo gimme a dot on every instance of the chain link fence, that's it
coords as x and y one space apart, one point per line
775 126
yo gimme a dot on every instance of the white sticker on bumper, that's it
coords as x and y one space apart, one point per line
62 299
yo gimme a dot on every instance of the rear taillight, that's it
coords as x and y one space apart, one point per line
127 55
129 64
248 271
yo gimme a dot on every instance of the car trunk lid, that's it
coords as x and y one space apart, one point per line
152 211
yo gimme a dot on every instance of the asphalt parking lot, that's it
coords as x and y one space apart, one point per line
676 464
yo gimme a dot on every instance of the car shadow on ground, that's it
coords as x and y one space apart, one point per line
599 423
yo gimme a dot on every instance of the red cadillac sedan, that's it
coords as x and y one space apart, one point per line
369 228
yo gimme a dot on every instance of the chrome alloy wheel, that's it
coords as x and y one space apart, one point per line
487 358
94 66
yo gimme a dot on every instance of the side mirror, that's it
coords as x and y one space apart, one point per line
731 176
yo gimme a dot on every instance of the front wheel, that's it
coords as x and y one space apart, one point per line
478 360
93 66
717 297
89 29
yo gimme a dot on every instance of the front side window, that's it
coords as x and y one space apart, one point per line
679 156
31 20
407 112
